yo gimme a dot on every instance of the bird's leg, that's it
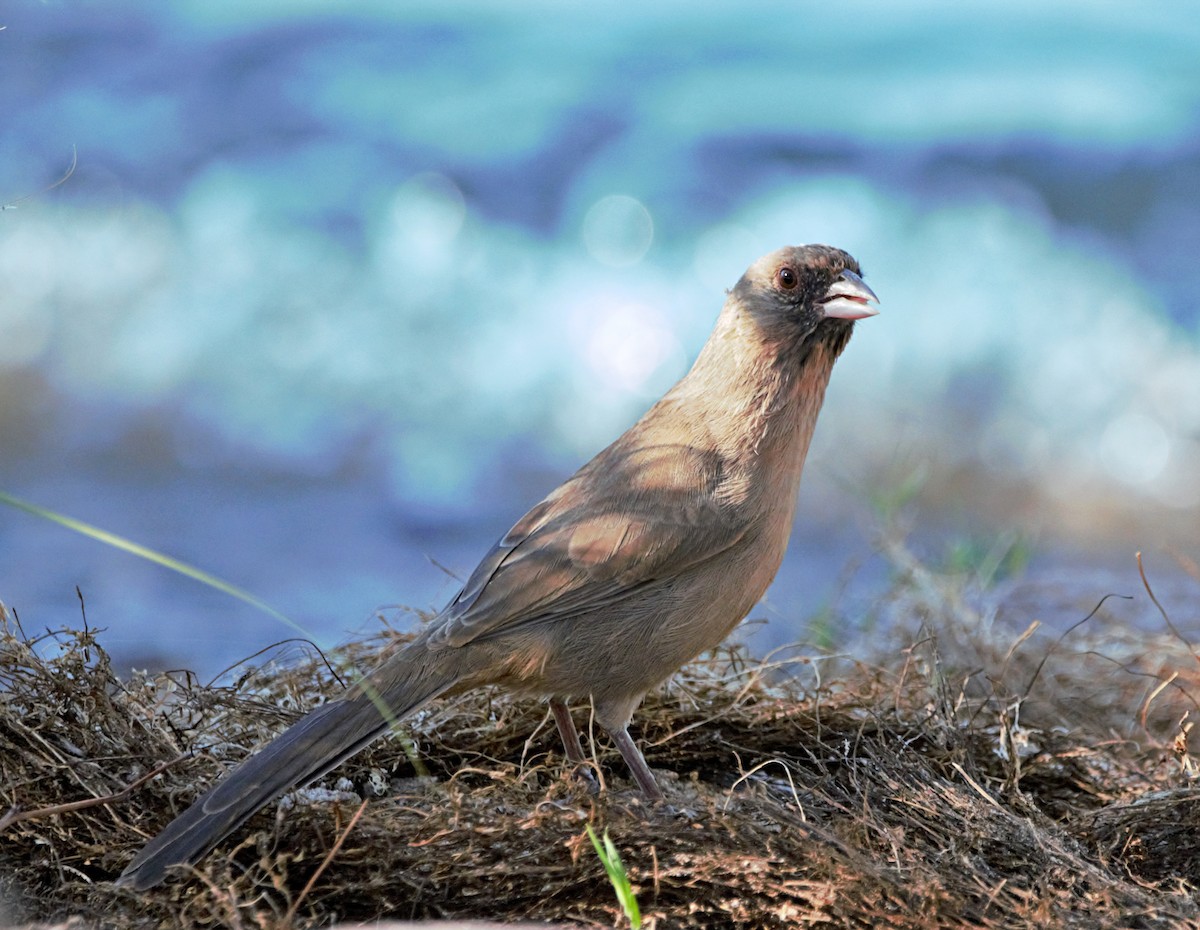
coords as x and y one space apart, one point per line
571 744
566 729
637 763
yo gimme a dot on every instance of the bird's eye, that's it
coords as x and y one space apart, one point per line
787 278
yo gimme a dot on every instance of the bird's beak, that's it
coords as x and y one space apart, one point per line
849 298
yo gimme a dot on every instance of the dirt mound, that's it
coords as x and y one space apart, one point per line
961 779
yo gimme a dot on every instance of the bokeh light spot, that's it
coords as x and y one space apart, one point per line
618 230
628 344
426 216
1135 448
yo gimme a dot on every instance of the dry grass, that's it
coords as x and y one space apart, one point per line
964 779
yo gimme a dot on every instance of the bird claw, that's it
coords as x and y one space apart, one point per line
679 812
584 773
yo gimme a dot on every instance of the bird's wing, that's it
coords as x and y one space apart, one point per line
627 519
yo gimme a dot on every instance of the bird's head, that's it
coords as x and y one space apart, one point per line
805 291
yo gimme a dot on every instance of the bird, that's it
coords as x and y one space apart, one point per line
649 555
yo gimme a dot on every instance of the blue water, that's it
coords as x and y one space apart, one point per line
335 292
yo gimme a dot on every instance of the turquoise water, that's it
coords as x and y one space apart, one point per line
334 293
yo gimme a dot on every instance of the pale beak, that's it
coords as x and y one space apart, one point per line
849 298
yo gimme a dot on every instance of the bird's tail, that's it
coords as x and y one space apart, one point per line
309 749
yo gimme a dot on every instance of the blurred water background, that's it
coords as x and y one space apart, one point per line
336 291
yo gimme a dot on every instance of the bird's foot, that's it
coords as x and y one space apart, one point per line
584 772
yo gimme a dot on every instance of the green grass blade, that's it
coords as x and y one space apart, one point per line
150 555
610 858
198 574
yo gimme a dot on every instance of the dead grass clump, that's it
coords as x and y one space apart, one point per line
957 779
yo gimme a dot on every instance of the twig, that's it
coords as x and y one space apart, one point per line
1162 686
974 784
16 816
289 918
275 645
1067 632
762 765
1166 619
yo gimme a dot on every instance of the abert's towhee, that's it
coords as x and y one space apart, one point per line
647 556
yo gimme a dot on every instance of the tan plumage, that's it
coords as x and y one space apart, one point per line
649 555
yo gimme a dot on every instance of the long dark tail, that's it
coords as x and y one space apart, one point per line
309 749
